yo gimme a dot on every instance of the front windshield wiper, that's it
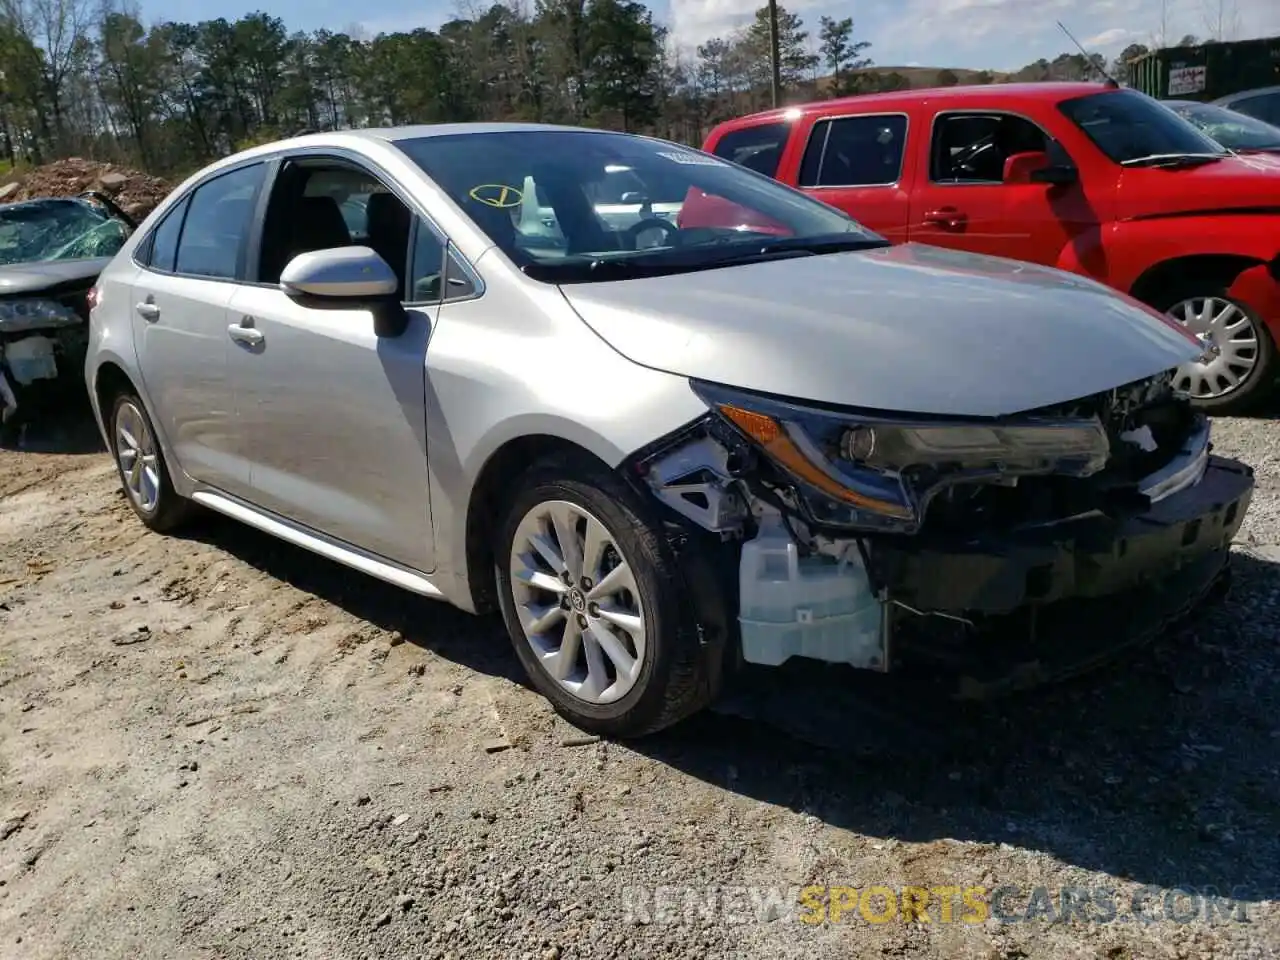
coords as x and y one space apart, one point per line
1175 160
664 261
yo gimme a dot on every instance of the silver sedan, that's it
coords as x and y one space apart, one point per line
667 415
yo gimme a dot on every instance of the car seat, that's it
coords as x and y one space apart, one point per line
388 224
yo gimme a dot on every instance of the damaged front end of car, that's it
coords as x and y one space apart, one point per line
1000 553
51 253
42 345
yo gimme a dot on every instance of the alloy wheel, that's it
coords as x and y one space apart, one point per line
136 454
1231 337
577 601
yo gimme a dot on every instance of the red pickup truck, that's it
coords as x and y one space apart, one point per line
1092 178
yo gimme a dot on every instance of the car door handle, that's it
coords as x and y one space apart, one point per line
245 334
148 310
946 217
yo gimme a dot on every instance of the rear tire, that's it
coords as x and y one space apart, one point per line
1246 351
140 462
591 598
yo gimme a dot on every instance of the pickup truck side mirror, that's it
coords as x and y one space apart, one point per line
1034 166
1022 167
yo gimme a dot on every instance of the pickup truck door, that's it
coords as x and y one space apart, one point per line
859 164
963 202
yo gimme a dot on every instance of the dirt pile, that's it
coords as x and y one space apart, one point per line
137 193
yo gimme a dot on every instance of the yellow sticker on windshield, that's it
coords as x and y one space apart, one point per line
496 195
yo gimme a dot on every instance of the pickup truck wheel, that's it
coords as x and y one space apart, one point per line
1242 369
590 596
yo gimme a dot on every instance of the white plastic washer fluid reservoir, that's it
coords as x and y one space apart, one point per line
793 606
31 359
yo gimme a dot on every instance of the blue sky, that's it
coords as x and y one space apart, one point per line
993 34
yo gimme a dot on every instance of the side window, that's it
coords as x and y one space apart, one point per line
163 243
854 152
972 148
320 204
219 217
1265 107
433 275
426 266
757 148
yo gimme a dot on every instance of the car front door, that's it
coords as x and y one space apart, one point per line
966 203
190 266
334 415
959 201
858 165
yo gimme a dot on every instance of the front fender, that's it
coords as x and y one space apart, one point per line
1133 246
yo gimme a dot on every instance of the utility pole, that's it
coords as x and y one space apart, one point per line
774 56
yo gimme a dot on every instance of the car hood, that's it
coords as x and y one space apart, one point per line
50 276
911 328
1241 182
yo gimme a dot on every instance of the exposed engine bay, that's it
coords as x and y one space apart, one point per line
879 540
42 344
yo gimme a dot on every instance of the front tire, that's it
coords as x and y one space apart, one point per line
592 601
1243 371
144 475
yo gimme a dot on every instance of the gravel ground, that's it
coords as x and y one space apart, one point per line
218 746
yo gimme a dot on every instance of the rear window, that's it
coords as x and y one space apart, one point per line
756 148
854 152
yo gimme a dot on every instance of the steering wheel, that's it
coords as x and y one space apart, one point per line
669 229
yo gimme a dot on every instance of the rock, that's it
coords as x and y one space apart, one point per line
383 920
401 820
363 800
12 824
497 745
579 740
132 190
112 182
139 634
404 901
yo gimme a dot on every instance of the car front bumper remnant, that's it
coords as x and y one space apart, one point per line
1092 557
1016 612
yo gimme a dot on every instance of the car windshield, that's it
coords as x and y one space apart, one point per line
1130 127
58 229
574 206
1236 131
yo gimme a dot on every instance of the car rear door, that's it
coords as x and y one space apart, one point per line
190 266
859 163
334 416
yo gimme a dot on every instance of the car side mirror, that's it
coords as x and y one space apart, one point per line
1022 167
347 278
635 196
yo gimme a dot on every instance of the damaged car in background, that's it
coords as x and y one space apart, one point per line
51 252
746 430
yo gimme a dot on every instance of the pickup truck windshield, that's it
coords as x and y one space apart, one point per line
563 204
1130 127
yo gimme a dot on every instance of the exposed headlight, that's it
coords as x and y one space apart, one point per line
18 316
877 471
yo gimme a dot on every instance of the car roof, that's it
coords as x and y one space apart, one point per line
984 93
369 136
1242 94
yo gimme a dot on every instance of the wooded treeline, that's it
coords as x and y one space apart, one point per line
90 78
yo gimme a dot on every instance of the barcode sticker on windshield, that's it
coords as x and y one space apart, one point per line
692 159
